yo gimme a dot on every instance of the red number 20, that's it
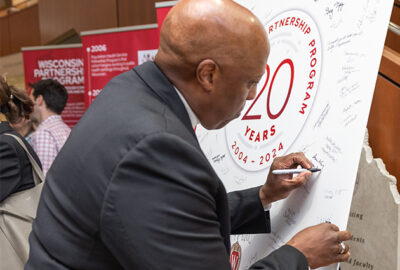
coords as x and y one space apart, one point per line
271 115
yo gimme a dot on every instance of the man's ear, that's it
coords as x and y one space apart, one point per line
206 72
39 100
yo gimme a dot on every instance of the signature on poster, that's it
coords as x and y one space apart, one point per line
289 215
331 150
331 194
334 13
317 161
350 112
322 117
276 240
347 90
352 57
342 40
240 179
218 158
369 12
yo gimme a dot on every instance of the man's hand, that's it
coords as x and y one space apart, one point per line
278 187
321 244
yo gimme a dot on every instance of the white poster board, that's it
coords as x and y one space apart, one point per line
314 97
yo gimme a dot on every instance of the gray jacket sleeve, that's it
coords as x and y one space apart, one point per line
247 213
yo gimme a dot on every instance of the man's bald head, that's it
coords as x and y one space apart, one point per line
220 30
205 45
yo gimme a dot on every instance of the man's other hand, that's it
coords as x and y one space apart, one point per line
321 244
278 187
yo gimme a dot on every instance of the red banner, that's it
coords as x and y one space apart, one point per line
63 63
110 52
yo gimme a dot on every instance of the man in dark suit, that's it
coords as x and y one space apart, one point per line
131 188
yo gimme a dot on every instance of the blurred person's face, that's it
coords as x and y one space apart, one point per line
35 116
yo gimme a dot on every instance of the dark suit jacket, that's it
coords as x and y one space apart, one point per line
131 189
15 167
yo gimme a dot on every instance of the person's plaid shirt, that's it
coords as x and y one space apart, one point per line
48 139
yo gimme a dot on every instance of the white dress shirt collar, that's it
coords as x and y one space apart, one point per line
193 118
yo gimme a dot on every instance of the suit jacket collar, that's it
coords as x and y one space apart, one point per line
151 74
5 127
